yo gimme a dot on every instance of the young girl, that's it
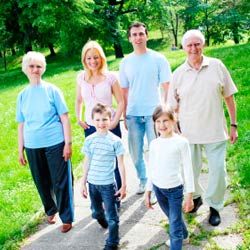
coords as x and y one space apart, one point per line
169 154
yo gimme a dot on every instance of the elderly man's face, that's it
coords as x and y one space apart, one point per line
193 48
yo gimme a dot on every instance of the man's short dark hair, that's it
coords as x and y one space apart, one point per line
101 109
137 25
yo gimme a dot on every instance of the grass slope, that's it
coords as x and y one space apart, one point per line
19 200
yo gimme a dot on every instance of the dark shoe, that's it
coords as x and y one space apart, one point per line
103 223
66 227
214 217
110 247
51 219
197 203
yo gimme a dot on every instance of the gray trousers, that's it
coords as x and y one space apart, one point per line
217 183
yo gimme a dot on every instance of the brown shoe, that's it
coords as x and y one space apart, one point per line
66 227
51 219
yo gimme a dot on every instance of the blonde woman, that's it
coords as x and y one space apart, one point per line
95 84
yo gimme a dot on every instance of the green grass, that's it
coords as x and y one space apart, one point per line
19 201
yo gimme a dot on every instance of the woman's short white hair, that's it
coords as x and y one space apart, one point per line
192 33
33 56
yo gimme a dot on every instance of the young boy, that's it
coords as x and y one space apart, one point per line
101 150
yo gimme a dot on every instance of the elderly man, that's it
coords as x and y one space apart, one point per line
197 91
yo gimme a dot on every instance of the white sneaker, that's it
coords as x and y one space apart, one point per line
141 189
184 242
153 199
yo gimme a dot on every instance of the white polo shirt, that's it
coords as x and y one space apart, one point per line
201 93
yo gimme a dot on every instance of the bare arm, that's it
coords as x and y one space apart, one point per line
230 103
78 108
84 190
116 90
125 98
21 156
122 190
67 151
165 87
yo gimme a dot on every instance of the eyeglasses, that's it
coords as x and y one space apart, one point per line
35 66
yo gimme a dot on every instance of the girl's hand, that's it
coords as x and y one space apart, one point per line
188 205
83 124
21 158
67 151
147 200
121 192
112 125
84 191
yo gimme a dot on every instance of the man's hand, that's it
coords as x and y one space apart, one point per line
233 135
121 192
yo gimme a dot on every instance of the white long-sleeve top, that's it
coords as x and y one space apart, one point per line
167 158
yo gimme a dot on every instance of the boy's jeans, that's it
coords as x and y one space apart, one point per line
138 126
170 201
105 194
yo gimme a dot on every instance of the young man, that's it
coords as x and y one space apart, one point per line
101 150
141 74
197 90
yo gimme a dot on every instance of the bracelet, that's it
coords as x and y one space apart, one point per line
69 143
234 125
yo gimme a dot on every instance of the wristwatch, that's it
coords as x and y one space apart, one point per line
234 125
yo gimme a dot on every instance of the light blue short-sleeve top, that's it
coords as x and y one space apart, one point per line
143 74
101 151
39 108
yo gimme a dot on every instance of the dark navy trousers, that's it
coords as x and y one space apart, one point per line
53 179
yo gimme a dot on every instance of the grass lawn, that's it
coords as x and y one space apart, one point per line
19 201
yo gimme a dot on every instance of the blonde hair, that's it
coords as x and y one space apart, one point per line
94 45
33 56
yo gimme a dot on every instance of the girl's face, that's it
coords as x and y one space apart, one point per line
93 60
164 126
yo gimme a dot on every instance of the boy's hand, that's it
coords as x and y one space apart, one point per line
188 205
121 192
84 191
147 200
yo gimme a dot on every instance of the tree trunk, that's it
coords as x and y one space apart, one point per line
13 51
51 49
235 31
4 60
118 50
27 48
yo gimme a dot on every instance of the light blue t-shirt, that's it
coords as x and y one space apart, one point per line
102 151
143 74
39 108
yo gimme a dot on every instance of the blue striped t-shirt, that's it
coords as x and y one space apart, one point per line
102 151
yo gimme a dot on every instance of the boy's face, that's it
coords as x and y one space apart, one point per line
101 122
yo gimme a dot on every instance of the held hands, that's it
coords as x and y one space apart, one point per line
83 124
121 192
188 205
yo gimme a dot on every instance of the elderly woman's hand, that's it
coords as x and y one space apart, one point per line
21 158
67 151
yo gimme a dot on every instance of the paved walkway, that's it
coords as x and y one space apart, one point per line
139 228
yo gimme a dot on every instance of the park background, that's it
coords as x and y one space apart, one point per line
59 29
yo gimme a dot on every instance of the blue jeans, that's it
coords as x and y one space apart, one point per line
170 201
105 194
138 126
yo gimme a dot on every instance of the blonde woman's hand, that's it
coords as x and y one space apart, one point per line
83 124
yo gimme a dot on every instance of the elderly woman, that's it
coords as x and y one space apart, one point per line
199 86
44 133
95 85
